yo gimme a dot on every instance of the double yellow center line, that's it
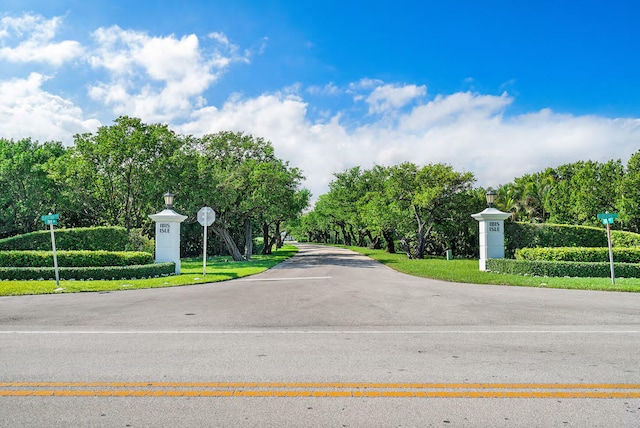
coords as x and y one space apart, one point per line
302 389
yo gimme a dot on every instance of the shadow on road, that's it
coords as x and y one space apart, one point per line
303 259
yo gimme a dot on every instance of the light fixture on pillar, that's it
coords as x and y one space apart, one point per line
168 200
491 198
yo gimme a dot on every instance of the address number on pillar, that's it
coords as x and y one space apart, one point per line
164 228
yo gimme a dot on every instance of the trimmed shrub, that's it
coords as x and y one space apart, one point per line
89 273
562 269
521 235
620 238
74 258
82 238
138 241
577 254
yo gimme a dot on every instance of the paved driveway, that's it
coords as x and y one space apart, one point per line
328 338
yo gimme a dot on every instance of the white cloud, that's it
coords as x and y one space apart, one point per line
29 38
329 89
469 131
448 109
28 111
157 78
391 97
281 119
365 83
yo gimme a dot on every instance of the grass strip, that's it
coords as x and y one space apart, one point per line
218 269
467 271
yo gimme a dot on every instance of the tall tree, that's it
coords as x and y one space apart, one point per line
376 207
343 204
629 196
116 175
243 180
28 189
427 195
509 199
581 190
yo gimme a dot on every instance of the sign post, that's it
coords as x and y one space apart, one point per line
52 219
607 219
206 217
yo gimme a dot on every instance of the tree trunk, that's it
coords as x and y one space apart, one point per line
278 237
422 240
374 242
272 242
345 235
352 236
388 237
407 248
248 239
266 249
361 236
232 248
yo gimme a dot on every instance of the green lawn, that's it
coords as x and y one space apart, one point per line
218 269
465 270
221 269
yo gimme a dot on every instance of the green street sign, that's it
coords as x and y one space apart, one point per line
50 219
607 218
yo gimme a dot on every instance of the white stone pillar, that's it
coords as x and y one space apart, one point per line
168 236
491 223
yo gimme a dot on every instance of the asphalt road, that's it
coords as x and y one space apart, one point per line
328 338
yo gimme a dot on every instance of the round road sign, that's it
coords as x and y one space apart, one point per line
209 214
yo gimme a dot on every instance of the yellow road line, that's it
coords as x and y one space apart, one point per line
320 389
320 385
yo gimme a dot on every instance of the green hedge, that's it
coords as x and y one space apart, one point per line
620 238
74 258
82 238
577 254
521 235
562 269
89 273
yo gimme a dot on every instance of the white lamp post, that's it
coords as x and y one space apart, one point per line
168 233
491 222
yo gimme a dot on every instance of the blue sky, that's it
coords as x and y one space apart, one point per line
499 88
